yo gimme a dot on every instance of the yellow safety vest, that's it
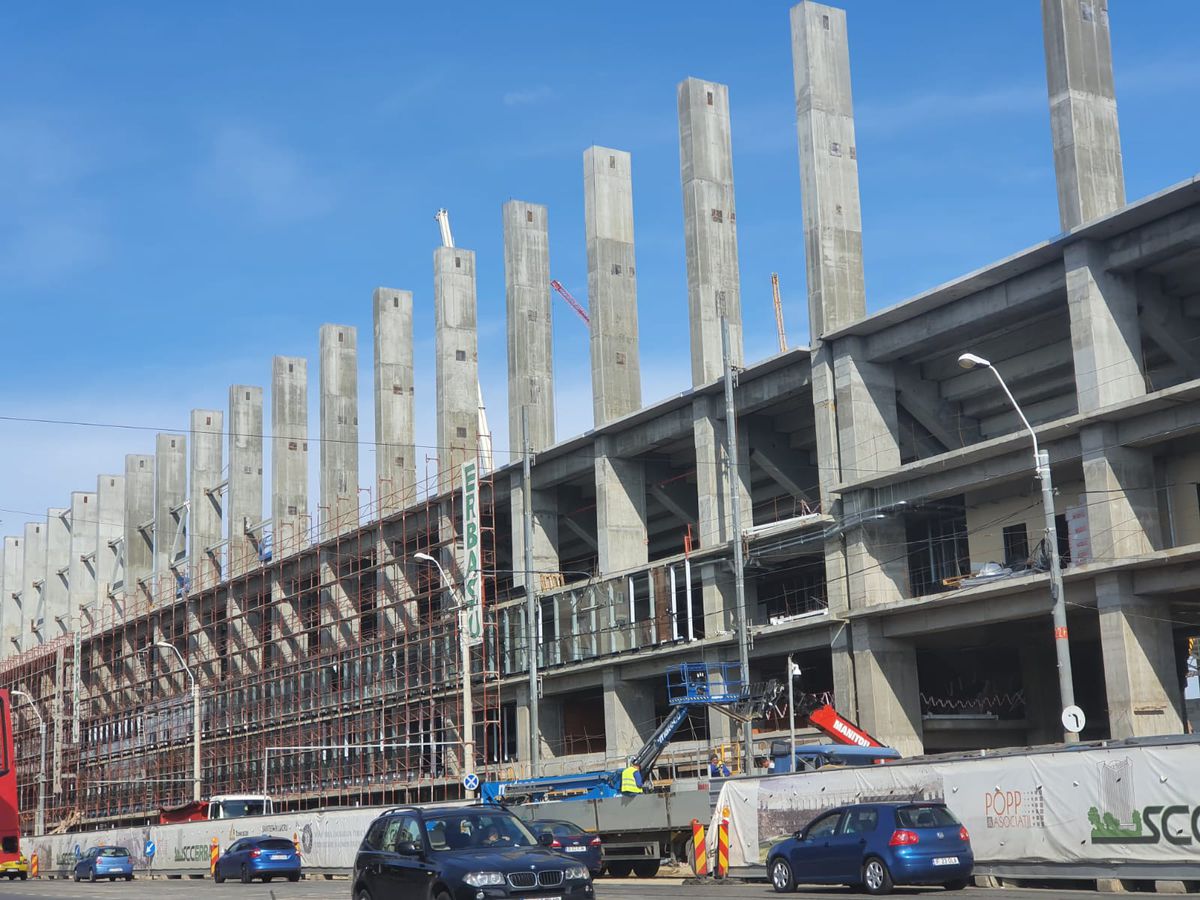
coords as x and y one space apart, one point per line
629 783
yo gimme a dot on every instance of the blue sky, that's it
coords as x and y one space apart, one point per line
183 195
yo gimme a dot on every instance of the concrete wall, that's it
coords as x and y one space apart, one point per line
987 520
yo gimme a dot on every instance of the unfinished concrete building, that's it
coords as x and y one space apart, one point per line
875 478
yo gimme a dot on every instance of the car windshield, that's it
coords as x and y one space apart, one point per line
477 830
277 844
236 809
924 817
113 851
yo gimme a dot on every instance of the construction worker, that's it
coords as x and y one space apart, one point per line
631 779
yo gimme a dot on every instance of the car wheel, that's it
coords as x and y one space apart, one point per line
294 877
113 879
363 894
876 878
619 869
781 877
217 876
129 877
92 876
267 879
247 878
443 895
23 875
76 877
957 884
647 869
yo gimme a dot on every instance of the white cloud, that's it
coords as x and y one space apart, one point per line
528 96
267 179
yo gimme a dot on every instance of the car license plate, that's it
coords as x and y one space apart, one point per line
278 856
577 849
945 861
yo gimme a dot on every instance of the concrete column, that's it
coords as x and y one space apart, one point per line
33 578
395 415
339 429
620 511
10 595
338 610
110 532
1122 500
1140 677
244 496
457 361
1105 333
612 283
628 716
545 531
205 507
1083 110
290 518
889 699
1038 671
138 524
170 522
550 728
55 608
530 340
710 225
82 565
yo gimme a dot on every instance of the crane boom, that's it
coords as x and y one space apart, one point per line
575 304
778 312
443 220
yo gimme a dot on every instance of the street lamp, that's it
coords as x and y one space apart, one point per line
195 716
464 650
1041 461
40 825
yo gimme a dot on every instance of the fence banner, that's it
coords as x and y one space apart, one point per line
1119 804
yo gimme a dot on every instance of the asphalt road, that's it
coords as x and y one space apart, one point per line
633 889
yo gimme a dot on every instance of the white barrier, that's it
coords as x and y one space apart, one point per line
1092 809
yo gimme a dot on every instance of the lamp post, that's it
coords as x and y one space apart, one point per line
1041 462
40 823
195 716
464 650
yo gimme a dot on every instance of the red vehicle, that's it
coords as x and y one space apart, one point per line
12 863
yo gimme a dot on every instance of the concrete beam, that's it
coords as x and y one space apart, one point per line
1038 364
530 338
579 531
290 519
1162 321
1083 110
936 416
244 497
710 225
457 361
206 511
339 429
395 401
674 500
1155 242
612 283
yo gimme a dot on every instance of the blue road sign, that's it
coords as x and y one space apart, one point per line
150 849
471 781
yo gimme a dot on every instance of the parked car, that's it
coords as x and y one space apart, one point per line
15 868
461 853
105 862
572 841
264 857
876 845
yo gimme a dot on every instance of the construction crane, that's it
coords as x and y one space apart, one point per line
575 304
442 217
778 311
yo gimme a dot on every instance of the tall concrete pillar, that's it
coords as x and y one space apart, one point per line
170 521
290 518
457 361
628 715
138 525
1083 110
1140 677
1105 333
339 429
709 225
1122 498
33 579
620 511
530 339
10 596
612 283
56 610
395 401
244 496
545 532
889 697
205 507
82 567
110 532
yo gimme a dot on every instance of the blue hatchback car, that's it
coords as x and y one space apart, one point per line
876 845
105 862
264 857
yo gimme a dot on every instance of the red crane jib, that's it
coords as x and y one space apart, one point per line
839 728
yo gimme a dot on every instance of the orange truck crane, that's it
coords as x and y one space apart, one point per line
852 745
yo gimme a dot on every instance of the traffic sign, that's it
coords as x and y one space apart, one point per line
471 781
1073 719
150 849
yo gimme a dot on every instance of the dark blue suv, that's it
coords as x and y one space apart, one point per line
876 845
461 853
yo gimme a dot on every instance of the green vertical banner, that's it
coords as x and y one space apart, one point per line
471 617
